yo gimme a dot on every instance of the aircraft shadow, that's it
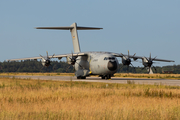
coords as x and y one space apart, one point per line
98 78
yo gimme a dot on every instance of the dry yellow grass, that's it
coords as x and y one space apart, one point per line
34 99
137 75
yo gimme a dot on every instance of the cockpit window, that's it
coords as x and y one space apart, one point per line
109 58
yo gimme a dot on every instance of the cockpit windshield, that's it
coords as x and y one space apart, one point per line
109 58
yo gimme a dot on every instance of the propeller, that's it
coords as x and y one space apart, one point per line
127 61
46 60
147 62
73 60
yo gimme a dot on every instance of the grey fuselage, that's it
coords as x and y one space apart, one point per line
96 63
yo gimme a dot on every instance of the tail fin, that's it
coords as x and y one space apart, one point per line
73 28
75 39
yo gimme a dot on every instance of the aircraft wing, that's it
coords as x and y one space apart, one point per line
140 57
162 60
31 58
51 56
71 54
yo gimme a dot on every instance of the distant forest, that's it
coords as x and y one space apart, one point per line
63 67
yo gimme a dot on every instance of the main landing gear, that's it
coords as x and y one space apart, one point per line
81 77
106 77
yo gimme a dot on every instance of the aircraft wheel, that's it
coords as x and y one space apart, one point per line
108 77
83 77
79 77
103 77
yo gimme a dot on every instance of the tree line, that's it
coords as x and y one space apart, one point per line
63 67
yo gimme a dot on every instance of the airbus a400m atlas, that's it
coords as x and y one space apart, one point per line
104 64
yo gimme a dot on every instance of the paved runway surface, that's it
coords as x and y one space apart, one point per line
113 80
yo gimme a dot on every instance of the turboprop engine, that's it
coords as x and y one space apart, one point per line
148 63
126 60
71 59
46 60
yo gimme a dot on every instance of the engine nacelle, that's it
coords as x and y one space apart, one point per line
68 60
45 62
126 61
146 62
71 60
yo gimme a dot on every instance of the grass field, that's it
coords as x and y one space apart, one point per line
159 76
38 99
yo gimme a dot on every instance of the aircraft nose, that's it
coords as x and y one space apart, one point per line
112 65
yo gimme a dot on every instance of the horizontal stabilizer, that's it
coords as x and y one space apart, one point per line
73 29
56 28
69 28
88 28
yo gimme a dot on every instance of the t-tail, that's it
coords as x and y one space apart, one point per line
73 29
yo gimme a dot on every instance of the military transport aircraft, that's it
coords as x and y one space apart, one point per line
104 64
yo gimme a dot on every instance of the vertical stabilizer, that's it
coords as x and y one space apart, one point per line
73 28
75 39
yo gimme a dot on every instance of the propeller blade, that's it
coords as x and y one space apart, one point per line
70 58
146 58
128 54
143 68
53 55
121 67
133 67
134 54
122 54
155 69
42 68
128 68
47 69
74 70
67 68
134 57
72 53
154 58
150 56
47 54
41 56
79 65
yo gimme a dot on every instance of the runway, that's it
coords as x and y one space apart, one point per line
113 80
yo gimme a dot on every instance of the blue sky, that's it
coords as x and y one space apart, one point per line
136 25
